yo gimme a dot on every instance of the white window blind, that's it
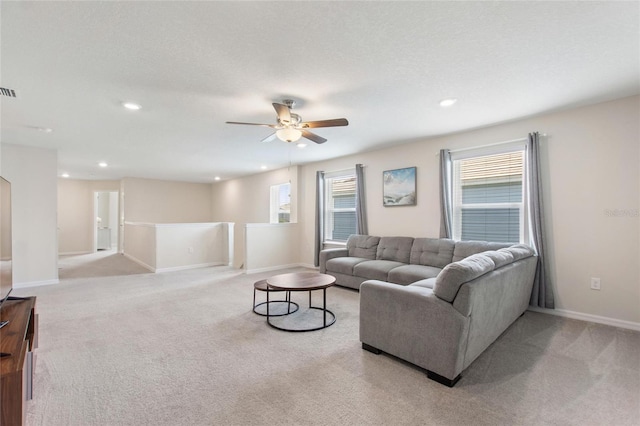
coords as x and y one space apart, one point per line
488 197
340 202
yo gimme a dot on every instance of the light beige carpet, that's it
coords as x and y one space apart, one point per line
185 348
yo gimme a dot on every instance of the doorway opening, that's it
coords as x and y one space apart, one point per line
106 224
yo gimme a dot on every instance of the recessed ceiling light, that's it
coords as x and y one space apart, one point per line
263 167
216 178
65 175
102 164
41 129
132 106
448 102
301 145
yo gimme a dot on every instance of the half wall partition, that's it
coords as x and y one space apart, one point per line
162 247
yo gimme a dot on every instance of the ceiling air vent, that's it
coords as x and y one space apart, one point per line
8 92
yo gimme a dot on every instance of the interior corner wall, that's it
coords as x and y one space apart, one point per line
247 200
591 197
33 176
75 213
161 201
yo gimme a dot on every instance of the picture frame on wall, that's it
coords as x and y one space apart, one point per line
399 187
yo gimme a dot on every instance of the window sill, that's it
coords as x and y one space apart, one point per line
334 244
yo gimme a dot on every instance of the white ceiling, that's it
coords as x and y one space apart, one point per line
383 65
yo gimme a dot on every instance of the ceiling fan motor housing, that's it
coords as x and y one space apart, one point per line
289 126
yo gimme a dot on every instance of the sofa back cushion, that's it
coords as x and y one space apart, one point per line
467 248
397 249
501 257
518 251
436 252
455 274
363 246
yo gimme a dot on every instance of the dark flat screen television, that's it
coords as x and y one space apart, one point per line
6 274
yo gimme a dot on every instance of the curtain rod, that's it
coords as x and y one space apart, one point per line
487 146
492 144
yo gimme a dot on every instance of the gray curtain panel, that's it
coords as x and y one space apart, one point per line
445 194
542 294
319 214
362 227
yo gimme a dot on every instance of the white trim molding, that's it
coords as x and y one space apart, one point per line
139 262
35 283
75 253
185 267
275 268
614 322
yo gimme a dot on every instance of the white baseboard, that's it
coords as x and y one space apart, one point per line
74 253
185 267
173 268
276 268
35 283
139 262
309 266
630 325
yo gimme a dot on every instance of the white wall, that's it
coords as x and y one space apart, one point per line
190 245
590 165
247 200
176 246
32 173
590 161
113 217
160 201
271 246
141 244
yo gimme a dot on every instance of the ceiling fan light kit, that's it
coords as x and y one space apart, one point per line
289 134
290 127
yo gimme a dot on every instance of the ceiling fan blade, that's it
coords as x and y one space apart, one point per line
252 124
269 138
325 123
312 136
284 114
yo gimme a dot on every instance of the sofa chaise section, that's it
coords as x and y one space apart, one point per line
443 329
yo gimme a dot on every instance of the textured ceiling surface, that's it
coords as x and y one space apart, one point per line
383 65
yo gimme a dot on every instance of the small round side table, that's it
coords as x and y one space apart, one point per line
262 286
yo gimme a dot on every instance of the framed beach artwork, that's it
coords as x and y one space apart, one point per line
399 187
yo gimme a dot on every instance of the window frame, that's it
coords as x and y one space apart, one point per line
274 203
328 220
457 206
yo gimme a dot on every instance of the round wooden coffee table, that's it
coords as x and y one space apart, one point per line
303 281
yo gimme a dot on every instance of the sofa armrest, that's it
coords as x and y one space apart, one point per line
494 301
328 254
410 322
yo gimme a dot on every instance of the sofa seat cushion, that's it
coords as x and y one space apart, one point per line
426 283
344 265
375 269
455 274
436 252
397 249
407 274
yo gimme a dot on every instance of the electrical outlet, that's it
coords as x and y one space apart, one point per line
191 251
595 283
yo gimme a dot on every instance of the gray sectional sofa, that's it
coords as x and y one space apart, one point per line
436 303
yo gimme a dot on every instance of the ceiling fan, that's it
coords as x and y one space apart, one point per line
290 127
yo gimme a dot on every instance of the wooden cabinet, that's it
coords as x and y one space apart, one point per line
18 341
